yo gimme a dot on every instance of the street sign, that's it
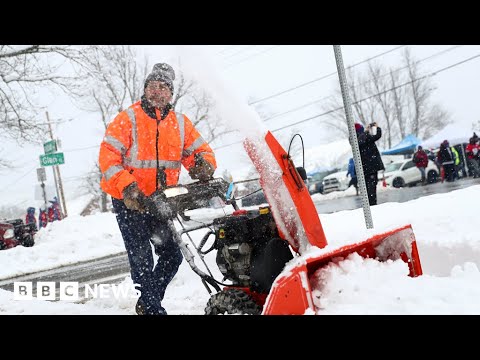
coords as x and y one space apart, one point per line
41 174
52 159
50 147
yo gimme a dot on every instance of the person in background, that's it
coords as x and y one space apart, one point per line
475 138
353 175
143 150
456 163
30 217
472 152
42 217
371 161
54 212
420 159
446 158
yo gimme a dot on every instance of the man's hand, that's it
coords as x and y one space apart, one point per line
158 206
133 198
202 170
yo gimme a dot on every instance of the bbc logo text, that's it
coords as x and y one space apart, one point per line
72 291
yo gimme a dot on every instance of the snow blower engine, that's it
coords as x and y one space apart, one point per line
250 253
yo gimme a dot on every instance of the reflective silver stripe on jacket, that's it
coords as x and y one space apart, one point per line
112 171
117 145
132 158
196 144
181 125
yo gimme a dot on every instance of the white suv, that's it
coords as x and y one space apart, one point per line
405 173
337 181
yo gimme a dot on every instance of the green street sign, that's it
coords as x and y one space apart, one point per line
50 147
52 159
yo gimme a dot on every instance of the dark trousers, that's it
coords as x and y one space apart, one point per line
371 181
449 172
474 167
137 231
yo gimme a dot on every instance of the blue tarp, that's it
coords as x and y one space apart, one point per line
407 146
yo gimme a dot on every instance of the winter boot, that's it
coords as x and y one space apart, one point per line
140 308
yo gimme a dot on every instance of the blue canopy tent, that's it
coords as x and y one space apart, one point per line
405 147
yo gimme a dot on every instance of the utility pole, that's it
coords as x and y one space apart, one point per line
56 175
353 136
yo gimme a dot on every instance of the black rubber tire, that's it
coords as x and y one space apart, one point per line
398 183
28 241
432 177
232 301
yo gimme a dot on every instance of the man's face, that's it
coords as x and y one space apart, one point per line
158 94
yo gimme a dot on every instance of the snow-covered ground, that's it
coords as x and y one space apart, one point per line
444 226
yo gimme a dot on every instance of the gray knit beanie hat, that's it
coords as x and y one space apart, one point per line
162 72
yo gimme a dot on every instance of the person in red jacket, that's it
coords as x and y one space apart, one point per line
420 158
473 153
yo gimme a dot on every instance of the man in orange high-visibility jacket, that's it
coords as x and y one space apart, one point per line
143 146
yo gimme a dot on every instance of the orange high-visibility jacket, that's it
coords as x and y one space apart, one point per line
128 151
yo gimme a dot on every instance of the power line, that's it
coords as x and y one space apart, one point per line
229 47
323 77
365 82
252 56
4 188
434 73
242 50
81 149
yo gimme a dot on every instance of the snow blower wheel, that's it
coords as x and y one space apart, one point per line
232 301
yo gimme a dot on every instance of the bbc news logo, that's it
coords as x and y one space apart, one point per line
70 291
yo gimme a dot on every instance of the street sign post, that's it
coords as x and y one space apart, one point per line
52 159
41 174
50 147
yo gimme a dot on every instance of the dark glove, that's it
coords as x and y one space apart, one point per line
133 198
158 205
202 170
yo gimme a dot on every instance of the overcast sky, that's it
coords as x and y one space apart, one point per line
256 72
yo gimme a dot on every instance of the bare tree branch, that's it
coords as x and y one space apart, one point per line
398 103
26 70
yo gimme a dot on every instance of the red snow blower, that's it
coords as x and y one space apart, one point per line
253 246
299 224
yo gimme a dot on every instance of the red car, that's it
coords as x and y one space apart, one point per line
15 232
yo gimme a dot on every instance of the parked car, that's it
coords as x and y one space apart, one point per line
405 173
16 232
337 181
7 236
315 180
